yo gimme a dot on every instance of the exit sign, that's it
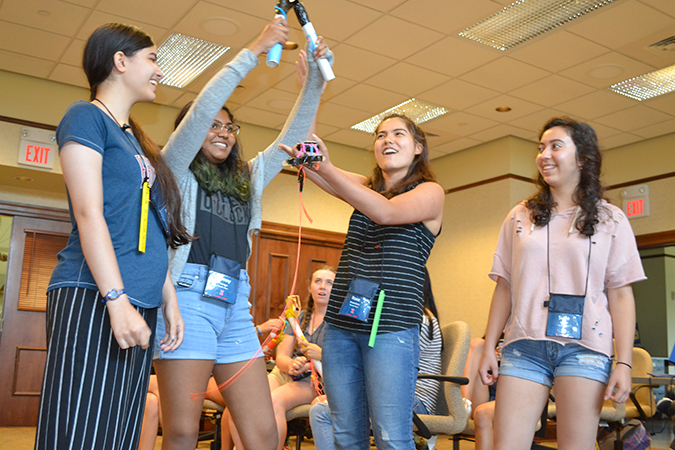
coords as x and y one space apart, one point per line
636 201
37 148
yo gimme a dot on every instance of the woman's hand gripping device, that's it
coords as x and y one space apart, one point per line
292 311
274 54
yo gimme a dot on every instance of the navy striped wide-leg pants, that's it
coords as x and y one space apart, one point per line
93 393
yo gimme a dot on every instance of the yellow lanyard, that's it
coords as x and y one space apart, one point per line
143 228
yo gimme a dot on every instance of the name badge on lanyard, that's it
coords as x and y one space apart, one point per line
143 228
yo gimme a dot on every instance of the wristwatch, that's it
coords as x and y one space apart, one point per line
113 294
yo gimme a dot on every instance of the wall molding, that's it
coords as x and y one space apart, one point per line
488 181
641 181
656 240
34 212
27 123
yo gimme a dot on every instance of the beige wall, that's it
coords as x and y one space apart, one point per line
463 253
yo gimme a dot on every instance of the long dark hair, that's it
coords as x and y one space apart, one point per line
419 169
230 177
309 310
98 63
588 193
429 304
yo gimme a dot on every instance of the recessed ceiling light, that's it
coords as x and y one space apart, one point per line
649 85
219 26
525 19
416 110
502 109
183 58
23 179
606 71
44 13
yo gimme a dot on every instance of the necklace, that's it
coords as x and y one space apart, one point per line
123 127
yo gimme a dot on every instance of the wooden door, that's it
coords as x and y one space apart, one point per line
273 261
22 340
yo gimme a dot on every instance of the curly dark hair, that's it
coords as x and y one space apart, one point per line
230 177
588 193
419 169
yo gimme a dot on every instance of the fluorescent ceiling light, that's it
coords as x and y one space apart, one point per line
649 85
525 19
416 110
183 58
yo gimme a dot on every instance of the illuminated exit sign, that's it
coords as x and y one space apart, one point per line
37 148
636 201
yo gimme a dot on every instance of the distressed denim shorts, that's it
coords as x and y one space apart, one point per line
543 361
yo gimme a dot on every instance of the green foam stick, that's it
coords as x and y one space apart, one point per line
376 320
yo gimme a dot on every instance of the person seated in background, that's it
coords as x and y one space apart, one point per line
426 391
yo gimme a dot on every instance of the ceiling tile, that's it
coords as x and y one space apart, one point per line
552 90
185 99
603 131
340 116
167 95
446 17
47 15
461 123
407 79
354 138
667 6
390 36
458 95
619 25
454 56
655 130
499 131
274 100
455 146
368 98
504 74
98 18
32 42
557 50
519 108
358 64
73 55
248 29
658 57
27 65
64 73
665 103
535 121
161 13
260 117
259 80
324 130
380 5
595 104
339 19
606 70
88 3
633 118
336 86
619 140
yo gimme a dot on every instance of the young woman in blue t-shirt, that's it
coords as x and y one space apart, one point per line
113 275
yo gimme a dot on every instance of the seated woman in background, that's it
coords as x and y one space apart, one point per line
426 391
290 381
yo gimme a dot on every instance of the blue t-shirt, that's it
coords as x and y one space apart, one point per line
124 169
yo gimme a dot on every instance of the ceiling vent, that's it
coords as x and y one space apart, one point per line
663 47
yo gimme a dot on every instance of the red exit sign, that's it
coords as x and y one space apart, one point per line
635 208
37 149
636 201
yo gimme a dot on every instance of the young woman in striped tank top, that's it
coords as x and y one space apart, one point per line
370 366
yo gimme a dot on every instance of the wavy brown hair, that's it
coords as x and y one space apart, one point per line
98 63
588 193
418 171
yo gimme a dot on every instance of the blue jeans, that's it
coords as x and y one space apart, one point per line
322 427
379 382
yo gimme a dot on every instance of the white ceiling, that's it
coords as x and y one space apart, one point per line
388 51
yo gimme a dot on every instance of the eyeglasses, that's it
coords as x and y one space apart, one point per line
217 127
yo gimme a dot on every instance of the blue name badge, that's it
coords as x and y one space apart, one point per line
221 287
359 299
564 325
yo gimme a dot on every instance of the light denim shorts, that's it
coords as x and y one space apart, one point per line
214 330
542 361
